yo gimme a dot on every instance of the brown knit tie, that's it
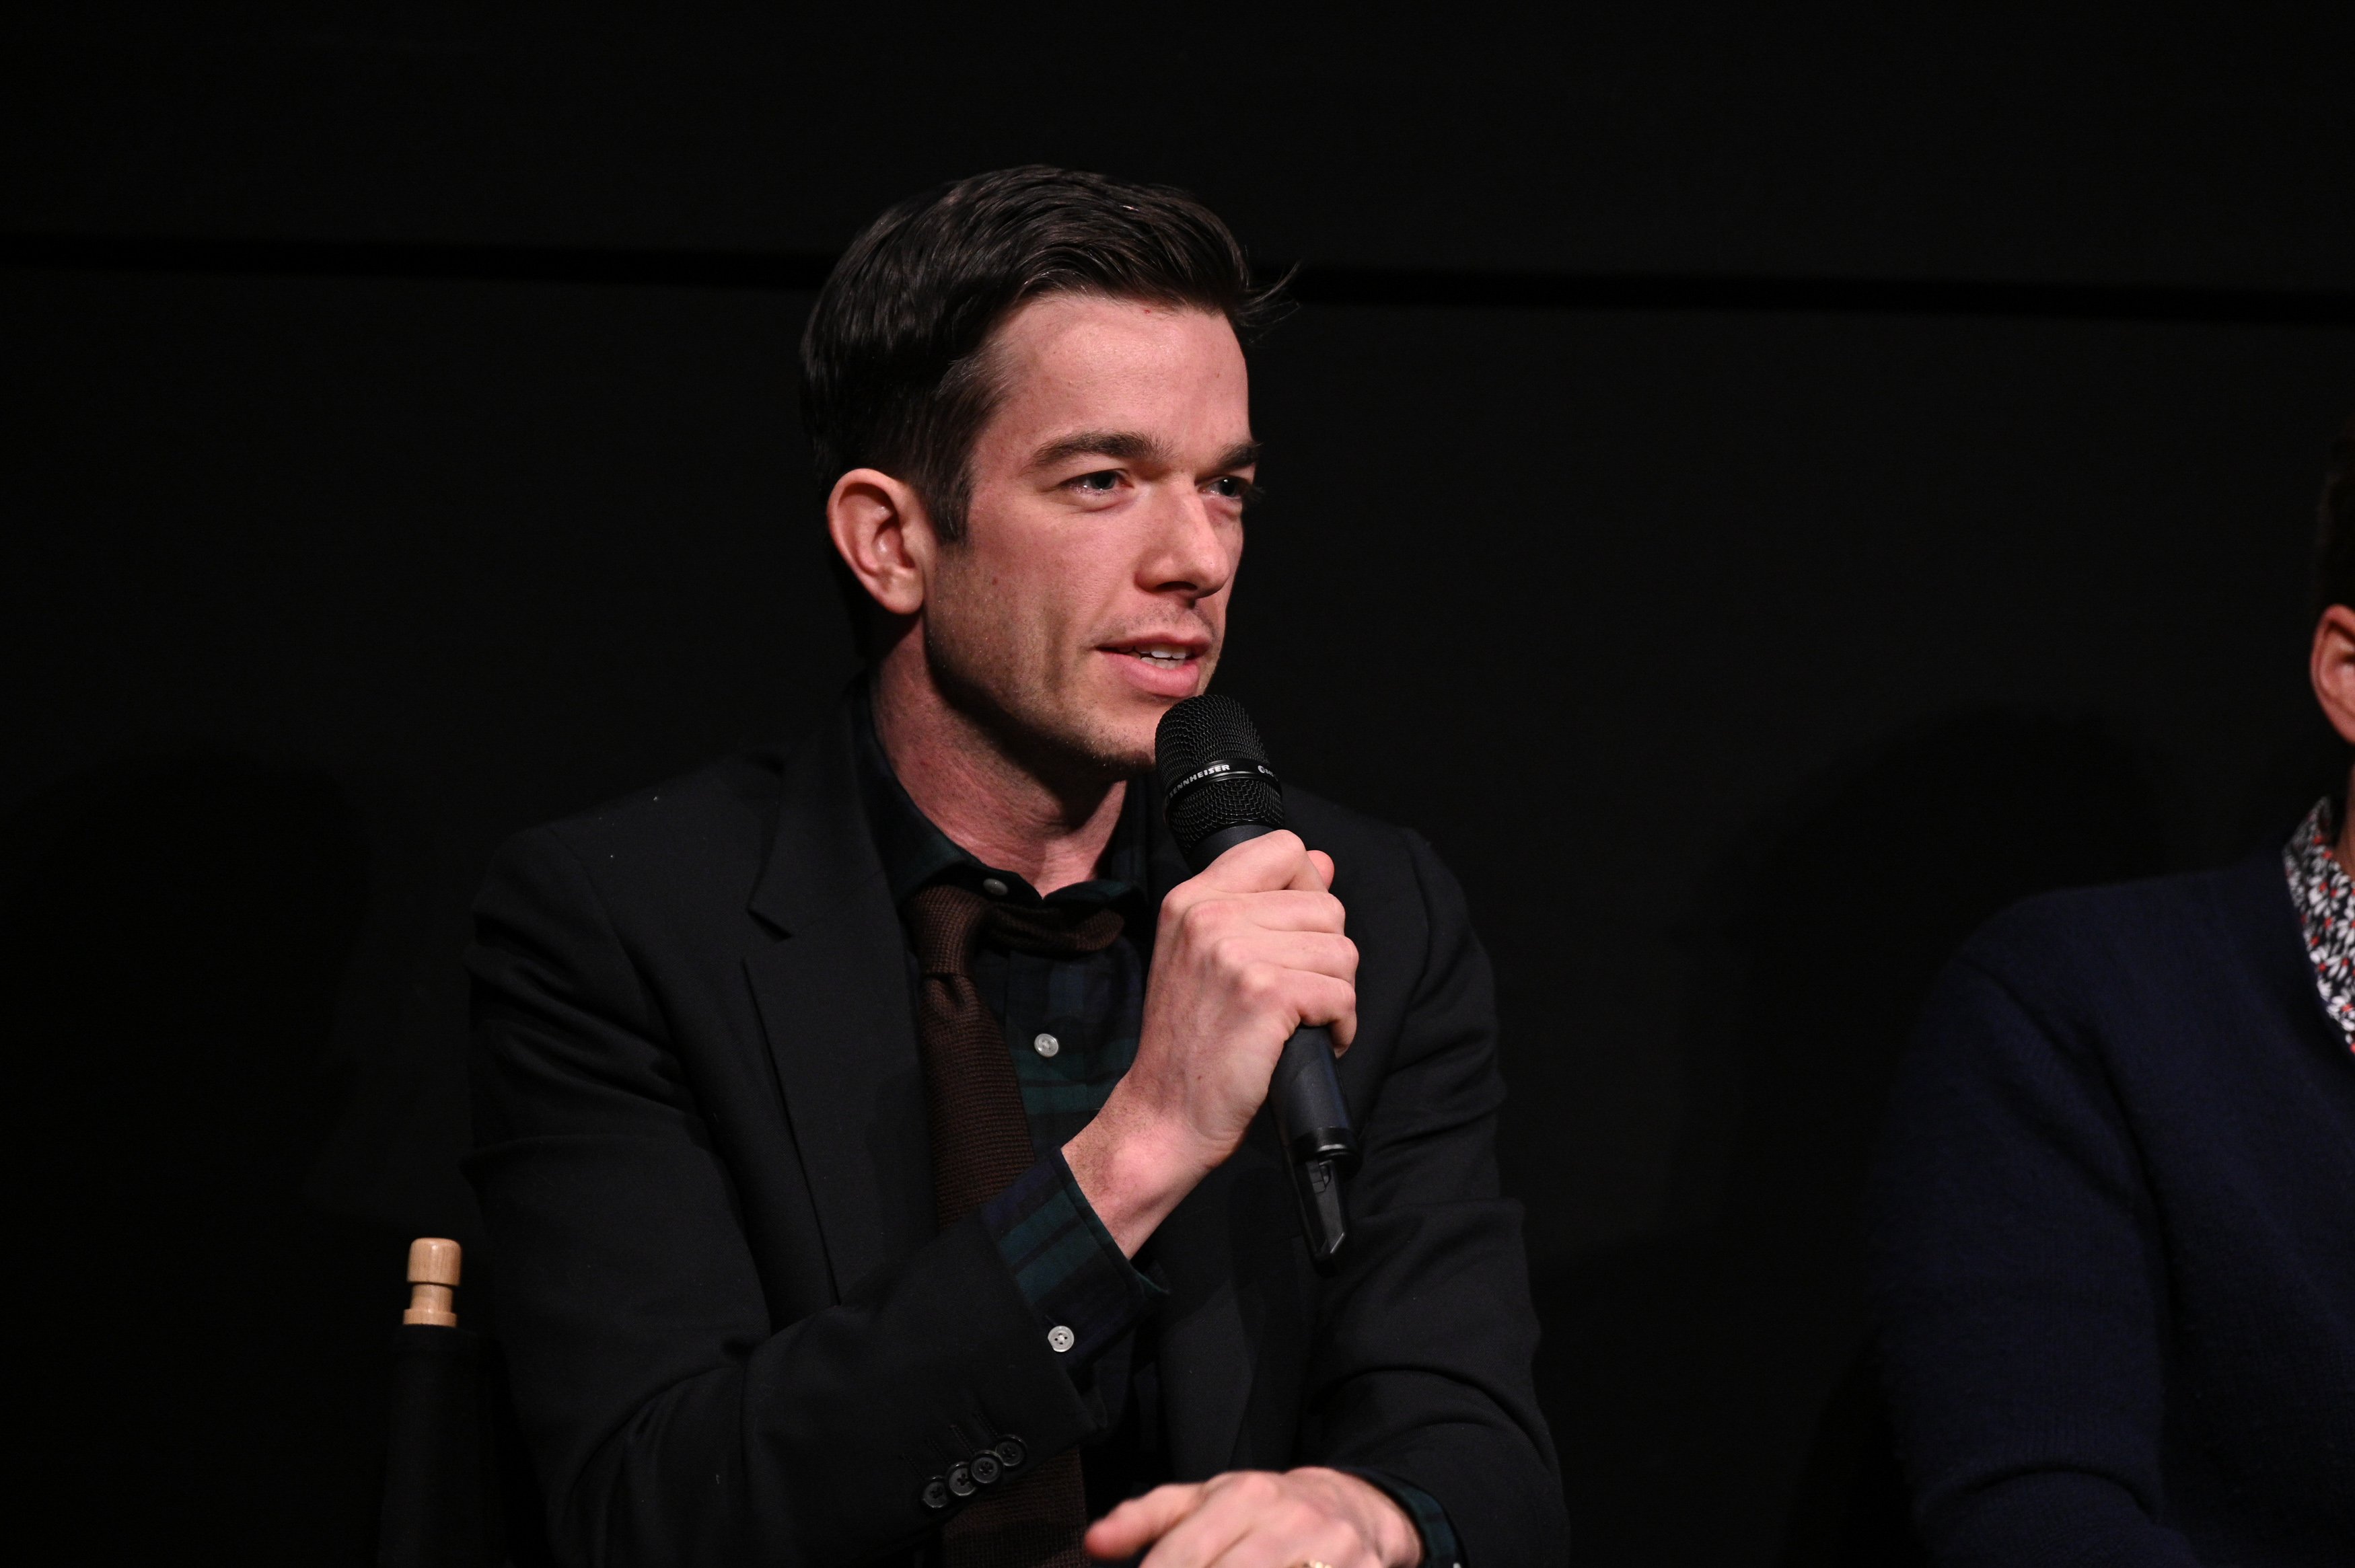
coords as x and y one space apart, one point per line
980 1142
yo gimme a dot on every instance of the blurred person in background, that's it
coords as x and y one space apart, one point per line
2113 1231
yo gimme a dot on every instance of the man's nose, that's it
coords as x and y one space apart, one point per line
1189 554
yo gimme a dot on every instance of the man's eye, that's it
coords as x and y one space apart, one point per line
1232 487
1101 483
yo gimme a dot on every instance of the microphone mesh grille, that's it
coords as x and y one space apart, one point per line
1195 733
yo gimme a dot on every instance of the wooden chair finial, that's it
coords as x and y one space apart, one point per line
433 1282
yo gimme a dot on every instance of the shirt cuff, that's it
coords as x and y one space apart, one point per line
1084 1290
1439 1547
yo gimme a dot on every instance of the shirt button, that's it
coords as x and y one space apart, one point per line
1060 1339
994 888
936 1492
961 1480
1046 1044
985 1469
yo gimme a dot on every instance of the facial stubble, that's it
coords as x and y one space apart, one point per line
1004 676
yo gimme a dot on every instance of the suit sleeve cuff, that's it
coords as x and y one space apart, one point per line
1439 1547
1084 1290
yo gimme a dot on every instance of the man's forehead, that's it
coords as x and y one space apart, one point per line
1067 311
1122 378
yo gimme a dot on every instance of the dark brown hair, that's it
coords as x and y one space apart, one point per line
2334 539
895 372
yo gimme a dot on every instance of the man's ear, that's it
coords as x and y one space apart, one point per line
884 536
2332 668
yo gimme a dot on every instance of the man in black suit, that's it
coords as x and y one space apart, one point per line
870 1134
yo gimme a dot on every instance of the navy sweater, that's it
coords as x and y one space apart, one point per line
2113 1237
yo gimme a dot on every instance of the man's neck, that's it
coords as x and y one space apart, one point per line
988 803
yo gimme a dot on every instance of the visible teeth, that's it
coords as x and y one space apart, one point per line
1162 655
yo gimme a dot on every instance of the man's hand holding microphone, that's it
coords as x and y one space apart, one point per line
1249 951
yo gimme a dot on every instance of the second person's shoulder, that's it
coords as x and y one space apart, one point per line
2156 935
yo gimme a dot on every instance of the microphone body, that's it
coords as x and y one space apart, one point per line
1218 791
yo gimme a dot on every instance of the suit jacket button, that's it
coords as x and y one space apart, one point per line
1009 1451
936 1493
961 1480
984 1467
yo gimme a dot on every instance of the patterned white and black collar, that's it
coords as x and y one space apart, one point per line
2325 897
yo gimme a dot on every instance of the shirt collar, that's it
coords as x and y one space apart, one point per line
2325 897
916 853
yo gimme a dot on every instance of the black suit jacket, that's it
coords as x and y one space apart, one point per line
734 1334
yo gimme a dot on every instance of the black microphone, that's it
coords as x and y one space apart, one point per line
1217 790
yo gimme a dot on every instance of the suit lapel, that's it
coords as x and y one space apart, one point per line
833 1004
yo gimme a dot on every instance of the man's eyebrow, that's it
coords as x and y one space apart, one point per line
1121 446
1129 446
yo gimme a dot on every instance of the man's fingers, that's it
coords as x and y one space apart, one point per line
1309 952
1134 1524
1267 862
1283 909
1256 865
1190 1523
1321 1542
1253 1519
1245 1519
1221 1518
1321 998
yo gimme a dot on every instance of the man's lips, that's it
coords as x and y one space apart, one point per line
1165 666
1169 652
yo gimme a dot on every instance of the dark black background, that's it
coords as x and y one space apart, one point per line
1760 486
